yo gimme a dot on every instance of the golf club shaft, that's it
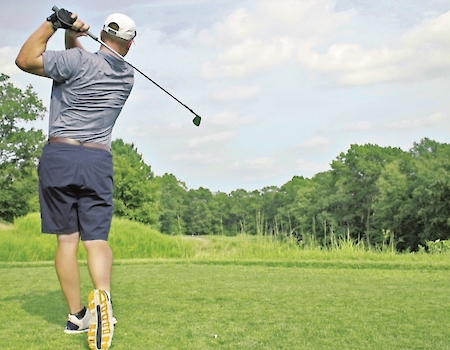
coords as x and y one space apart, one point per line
145 75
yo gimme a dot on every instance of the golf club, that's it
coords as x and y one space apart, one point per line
197 118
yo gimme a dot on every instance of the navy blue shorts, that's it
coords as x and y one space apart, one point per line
76 190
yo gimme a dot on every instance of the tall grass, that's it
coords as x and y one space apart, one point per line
132 240
23 242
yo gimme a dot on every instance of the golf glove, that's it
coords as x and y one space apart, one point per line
61 19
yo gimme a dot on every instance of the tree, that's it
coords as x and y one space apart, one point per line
294 211
19 148
220 210
245 210
394 206
413 195
173 195
136 195
356 174
197 214
432 195
424 148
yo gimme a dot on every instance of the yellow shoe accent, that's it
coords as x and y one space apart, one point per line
101 331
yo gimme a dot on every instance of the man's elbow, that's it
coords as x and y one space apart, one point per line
21 63
30 66
24 64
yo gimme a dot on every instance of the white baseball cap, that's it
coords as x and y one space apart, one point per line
126 28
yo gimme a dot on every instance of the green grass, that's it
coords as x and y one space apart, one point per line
172 304
253 292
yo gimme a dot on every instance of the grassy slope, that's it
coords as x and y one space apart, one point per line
24 242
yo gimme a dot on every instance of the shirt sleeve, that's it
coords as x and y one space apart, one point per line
62 65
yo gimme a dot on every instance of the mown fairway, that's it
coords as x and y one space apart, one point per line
175 304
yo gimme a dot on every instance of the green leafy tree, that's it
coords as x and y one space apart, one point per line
245 210
324 208
220 209
136 194
394 205
432 194
425 148
19 149
356 174
301 207
292 212
197 214
173 195
413 196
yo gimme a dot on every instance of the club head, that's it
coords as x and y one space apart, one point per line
197 120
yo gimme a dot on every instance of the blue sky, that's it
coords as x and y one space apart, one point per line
283 86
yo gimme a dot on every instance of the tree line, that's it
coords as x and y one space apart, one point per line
371 194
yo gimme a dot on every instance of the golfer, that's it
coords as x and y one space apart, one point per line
76 169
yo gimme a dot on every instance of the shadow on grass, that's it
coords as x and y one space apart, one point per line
51 308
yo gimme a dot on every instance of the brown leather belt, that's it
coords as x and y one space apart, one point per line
78 143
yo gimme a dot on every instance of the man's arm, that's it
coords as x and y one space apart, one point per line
71 39
30 57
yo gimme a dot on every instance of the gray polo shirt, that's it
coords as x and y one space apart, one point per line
89 92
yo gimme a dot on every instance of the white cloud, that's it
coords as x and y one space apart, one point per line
231 119
305 18
315 142
249 57
220 137
136 131
433 120
255 164
148 129
7 60
238 26
285 31
423 52
235 93
257 169
360 126
253 42
197 158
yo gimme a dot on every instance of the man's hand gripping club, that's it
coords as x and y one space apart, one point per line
30 58
61 18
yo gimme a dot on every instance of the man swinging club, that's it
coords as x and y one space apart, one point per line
76 169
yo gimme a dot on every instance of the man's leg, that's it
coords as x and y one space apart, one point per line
100 259
67 269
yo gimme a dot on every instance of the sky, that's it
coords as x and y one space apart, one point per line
283 86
